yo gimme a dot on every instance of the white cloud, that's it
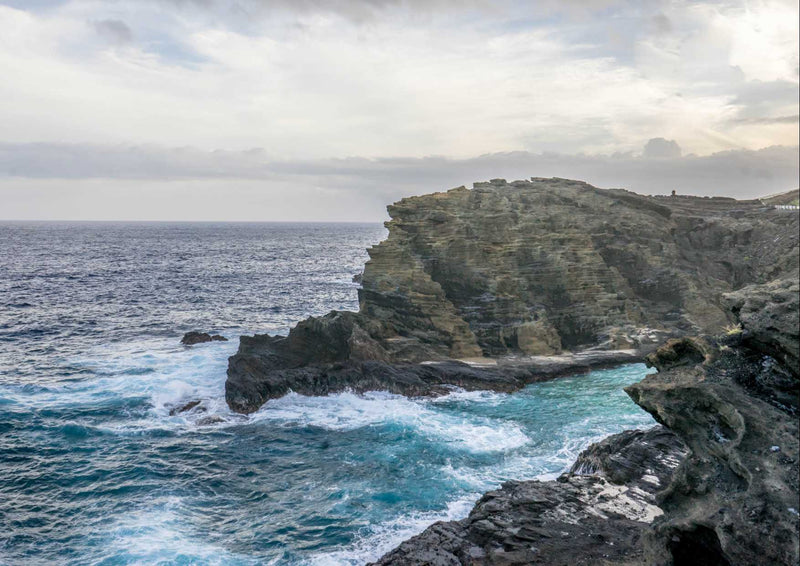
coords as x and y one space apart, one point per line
104 101
323 81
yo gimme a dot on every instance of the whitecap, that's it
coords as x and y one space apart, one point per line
348 411
375 541
158 535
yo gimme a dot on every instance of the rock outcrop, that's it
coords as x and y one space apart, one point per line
538 266
596 514
736 498
192 338
522 269
733 500
307 362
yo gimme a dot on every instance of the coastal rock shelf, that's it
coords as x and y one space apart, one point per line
593 515
522 269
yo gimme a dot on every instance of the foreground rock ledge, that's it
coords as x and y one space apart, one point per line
596 514
520 269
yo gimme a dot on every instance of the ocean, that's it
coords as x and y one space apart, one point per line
95 470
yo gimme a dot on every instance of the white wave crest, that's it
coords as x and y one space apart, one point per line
348 411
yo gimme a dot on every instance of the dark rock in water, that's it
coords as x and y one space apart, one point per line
734 501
358 278
178 409
210 420
191 338
267 367
527 268
579 519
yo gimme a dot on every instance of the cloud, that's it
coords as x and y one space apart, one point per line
150 182
114 31
660 148
309 82
100 122
769 120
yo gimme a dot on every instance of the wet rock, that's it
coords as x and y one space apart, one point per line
191 338
579 519
186 407
268 367
210 420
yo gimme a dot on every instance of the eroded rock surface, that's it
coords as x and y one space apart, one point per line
522 269
596 514
736 499
550 264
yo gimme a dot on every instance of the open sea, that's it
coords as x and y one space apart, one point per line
94 470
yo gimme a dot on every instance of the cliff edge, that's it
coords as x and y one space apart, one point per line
512 271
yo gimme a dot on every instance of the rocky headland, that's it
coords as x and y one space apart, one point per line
510 283
501 285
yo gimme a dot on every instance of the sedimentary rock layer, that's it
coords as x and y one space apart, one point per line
550 264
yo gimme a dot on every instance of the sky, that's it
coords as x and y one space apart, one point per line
328 110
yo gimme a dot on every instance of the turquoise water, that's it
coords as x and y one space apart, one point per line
95 471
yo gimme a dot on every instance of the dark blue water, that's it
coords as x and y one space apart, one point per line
94 470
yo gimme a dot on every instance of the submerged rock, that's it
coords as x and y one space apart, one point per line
210 420
186 407
191 338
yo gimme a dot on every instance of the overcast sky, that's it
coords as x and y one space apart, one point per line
330 109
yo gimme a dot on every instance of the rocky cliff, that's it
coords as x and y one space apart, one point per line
730 405
538 266
522 269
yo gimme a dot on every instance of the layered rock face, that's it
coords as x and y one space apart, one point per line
521 269
538 266
730 405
